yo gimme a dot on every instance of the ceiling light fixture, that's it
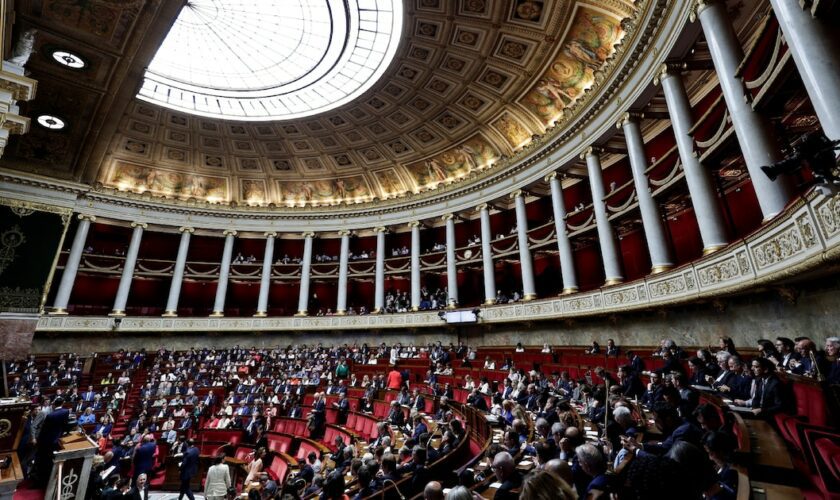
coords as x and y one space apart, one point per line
51 122
69 59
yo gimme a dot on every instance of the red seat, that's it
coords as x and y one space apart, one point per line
351 421
278 469
829 451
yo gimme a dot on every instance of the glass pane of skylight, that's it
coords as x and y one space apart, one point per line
246 60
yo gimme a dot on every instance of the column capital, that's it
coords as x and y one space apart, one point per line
186 229
447 217
308 234
91 218
629 117
697 7
344 232
380 229
139 224
270 234
591 150
516 194
669 69
483 206
550 177
229 232
414 223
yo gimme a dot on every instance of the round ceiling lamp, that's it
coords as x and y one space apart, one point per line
51 122
69 59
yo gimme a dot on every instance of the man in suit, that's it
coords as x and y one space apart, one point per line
144 456
189 468
672 426
507 475
396 416
765 393
631 386
343 408
477 401
653 394
418 403
52 428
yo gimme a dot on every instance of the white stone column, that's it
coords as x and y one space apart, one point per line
609 247
265 278
703 196
305 271
224 274
415 265
379 274
343 269
71 267
487 255
128 269
813 43
657 240
451 267
564 246
178 273
526 264
758 145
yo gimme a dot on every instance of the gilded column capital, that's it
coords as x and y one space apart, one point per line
270 234
591 150
483 206
229 232
344 232
139 224
91 218
669 69
414 223
516 194
550 177
447 217
186 229
697 7
629 117
308 234
380 229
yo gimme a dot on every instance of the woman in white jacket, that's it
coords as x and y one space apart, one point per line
218 480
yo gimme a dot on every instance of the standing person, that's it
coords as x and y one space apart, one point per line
54 423
255 467
218 479
189 468
144 456
395 380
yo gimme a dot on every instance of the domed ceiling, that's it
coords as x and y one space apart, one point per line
471 83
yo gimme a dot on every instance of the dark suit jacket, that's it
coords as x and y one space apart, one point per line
53 427
505 491
189 465
144 458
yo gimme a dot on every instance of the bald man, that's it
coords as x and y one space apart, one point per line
505 469
433 491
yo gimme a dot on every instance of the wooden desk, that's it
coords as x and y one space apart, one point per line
9 478
768 491
768 448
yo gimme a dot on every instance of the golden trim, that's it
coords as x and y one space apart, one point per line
376 311
261 314
613 281
661 268
31 205
301 314
570 290
714 248
58 311
490 302
341 312
415 308
217 314
117 313
528 297
66 218
169 314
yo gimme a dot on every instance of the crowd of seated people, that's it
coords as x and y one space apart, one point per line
587 436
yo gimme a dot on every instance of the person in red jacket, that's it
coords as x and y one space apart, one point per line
395 380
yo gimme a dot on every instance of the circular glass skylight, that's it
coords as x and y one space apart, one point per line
272 59
68 59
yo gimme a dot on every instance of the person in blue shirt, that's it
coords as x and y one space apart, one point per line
87 417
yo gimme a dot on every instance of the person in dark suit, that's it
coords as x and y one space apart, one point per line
189 468
343 407
766 391
419 427
631 385
636 362
506 473
55 422
477 401
672 426
418 403
144 456
396 416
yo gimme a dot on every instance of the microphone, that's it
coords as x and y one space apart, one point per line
395 487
